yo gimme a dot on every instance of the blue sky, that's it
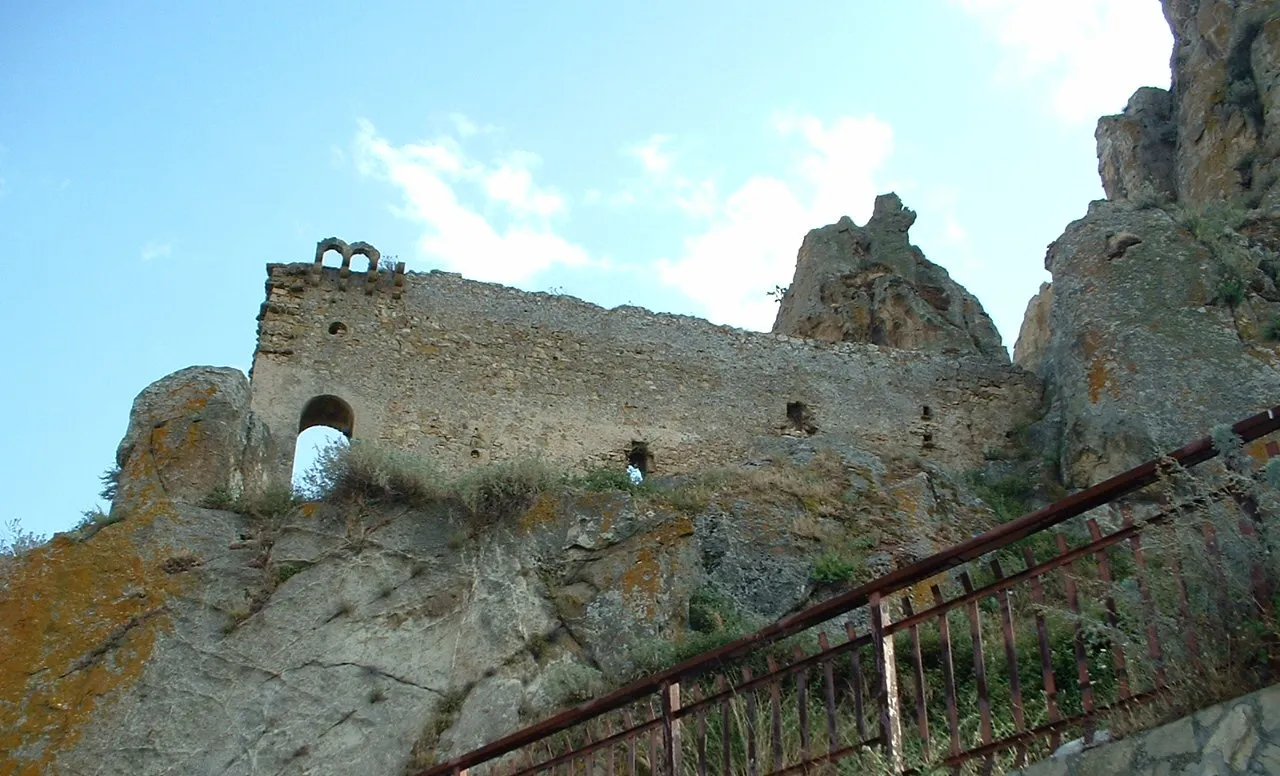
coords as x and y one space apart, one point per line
155 156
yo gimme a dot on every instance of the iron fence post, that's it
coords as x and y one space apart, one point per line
886 684
671 728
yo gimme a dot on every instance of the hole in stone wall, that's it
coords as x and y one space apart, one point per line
925 412
475 453
325 426
640 457
312 444
800 418
335 261
927 441
328 411
337 327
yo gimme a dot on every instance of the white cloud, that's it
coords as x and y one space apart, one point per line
155 249
1093 53
435 176
749 243
651 154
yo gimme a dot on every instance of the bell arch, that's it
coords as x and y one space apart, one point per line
328 410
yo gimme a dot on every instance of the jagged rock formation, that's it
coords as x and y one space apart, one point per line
1216 133
1033 337
346 637
1162 316
870 284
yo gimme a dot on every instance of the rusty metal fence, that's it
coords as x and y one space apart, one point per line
1002 646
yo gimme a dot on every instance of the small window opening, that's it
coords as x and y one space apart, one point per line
800 418
337 254
475 453
925 412
337 327
640 457
927 441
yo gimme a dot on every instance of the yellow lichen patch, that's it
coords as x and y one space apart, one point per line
80 621
920 594
542 513
201 400
642 582
1097 379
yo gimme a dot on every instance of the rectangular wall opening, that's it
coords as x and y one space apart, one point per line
640 457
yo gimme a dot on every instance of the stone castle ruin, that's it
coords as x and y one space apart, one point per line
469 372
186 634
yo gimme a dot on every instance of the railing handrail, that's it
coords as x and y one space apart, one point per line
1194 453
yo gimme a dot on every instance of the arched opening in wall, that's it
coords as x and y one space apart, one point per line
332 258
640 457
324 431
337 328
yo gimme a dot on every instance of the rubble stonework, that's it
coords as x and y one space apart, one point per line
870 284
470 372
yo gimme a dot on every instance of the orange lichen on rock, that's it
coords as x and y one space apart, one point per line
80 621
643 581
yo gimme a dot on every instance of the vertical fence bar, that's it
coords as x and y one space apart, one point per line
886 684
655 763
1113 615
1148 606
859 711
917 666
979 662
1011 660
829 695
671 728
721 686
631 744
1046 653
775 716
700 732
750 722
802 700
1082 663
1184 609
948 672
608 756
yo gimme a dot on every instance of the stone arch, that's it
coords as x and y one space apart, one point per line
328 410
369 252
333 244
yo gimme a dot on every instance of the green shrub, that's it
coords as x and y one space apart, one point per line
1230 289
832 568
503 491
604 479
1271 332
371 472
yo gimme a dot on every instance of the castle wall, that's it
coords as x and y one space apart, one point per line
471 372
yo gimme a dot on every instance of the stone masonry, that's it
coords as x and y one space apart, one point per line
472 372
1237 737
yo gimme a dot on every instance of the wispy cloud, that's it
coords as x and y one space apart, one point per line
1091 53
445 191
749 240
156 250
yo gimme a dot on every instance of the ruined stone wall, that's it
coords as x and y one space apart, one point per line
472 372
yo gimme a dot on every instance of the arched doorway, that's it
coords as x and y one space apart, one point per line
324 430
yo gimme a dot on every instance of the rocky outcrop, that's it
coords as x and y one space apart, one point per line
1226 75
870 284
1136 149
345 637
190 434
1156 334
1216 134
1033 337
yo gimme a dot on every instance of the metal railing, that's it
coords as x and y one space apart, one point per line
829 682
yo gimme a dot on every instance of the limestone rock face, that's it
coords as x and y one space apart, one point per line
1145 348
1226 97
1136 148
368 638
191 433
870 284
1033 337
